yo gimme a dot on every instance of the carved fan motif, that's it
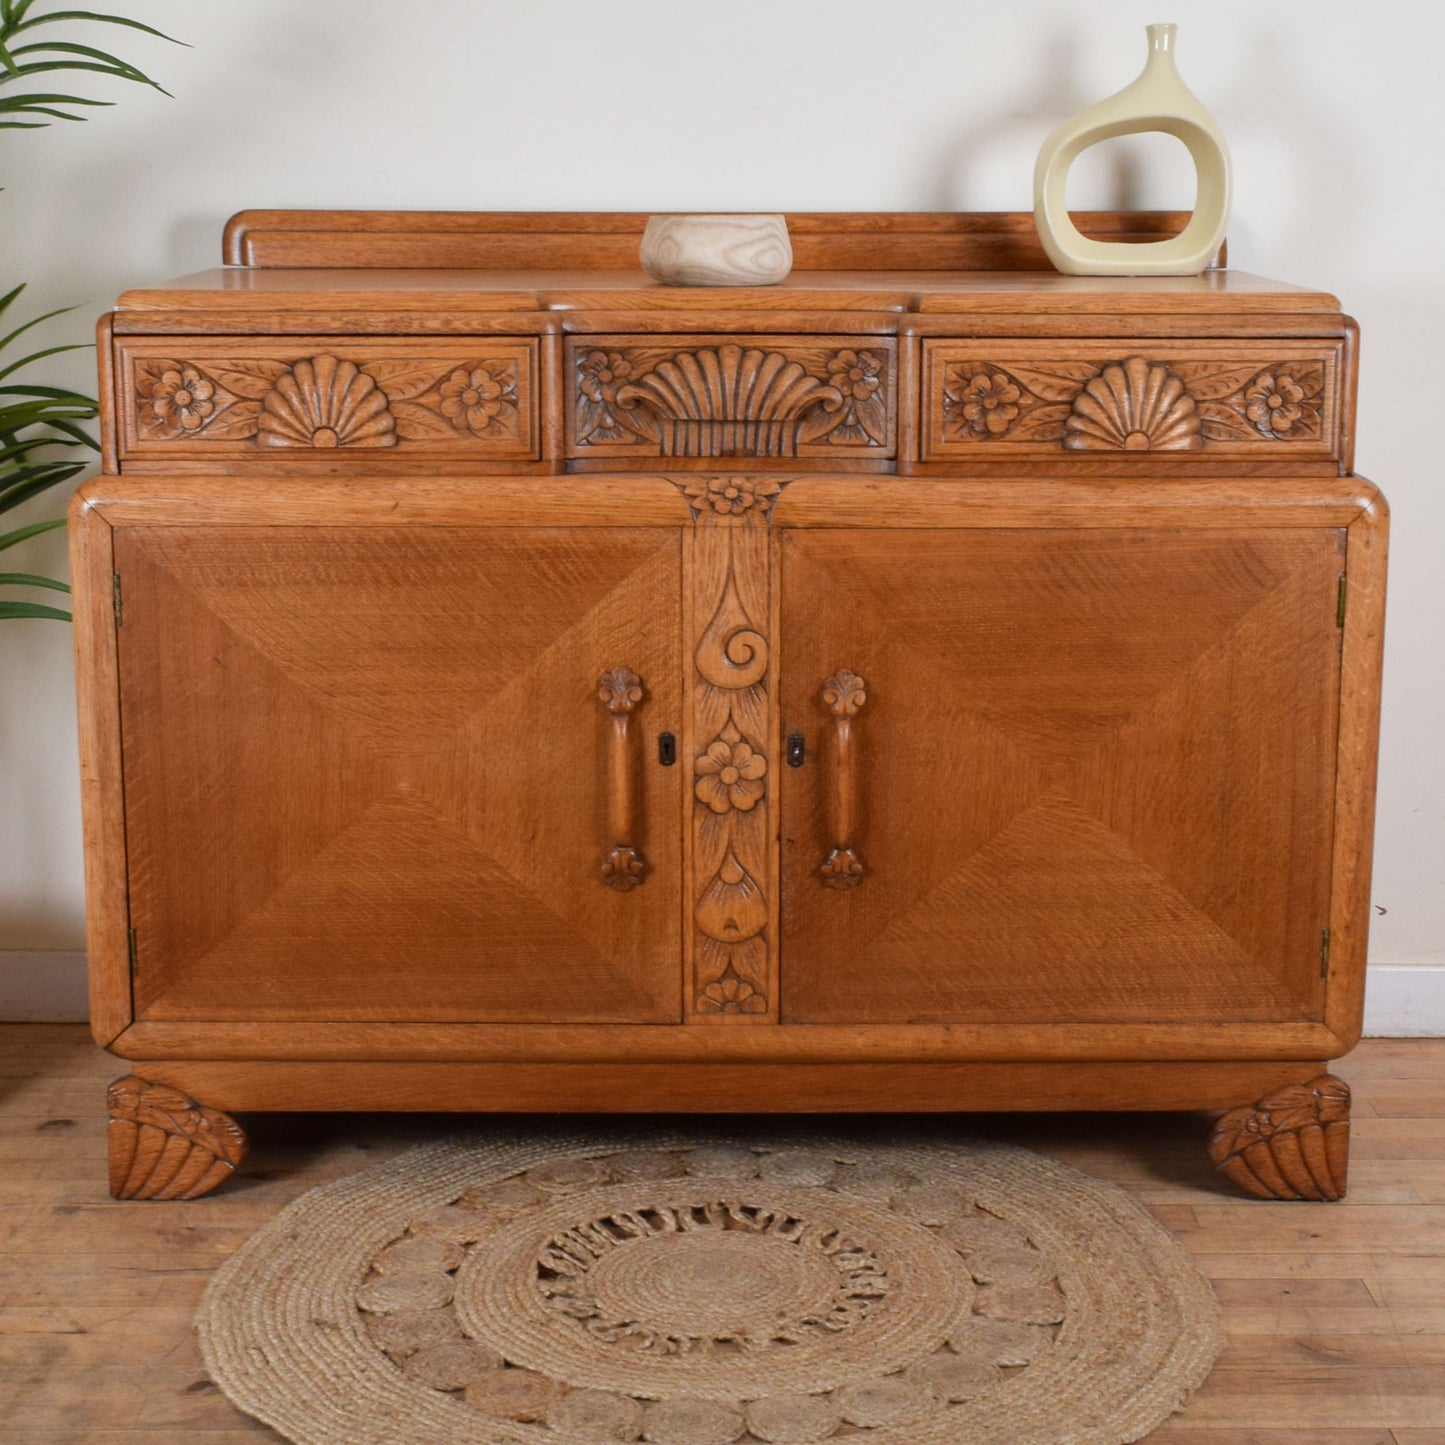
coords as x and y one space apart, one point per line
722 399
326 402
1136 406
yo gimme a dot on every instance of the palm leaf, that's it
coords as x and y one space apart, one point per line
32 609
30 579
24 534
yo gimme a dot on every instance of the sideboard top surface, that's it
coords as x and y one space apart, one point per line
469 264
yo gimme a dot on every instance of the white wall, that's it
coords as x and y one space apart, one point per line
1334 111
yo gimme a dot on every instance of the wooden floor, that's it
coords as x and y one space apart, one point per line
1336 1312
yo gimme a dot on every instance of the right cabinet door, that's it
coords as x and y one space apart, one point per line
1079 774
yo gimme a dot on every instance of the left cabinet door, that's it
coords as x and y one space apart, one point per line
371 771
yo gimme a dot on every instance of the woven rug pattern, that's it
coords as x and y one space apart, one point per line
680 1289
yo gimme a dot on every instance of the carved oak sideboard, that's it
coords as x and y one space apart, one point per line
929 684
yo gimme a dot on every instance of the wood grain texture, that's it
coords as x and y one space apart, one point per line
1207 399
831 241
203 397
165 1145
1060 1041
97 682
1335 1331
362 782
1094 707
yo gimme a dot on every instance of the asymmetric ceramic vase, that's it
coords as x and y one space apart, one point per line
1157 101
725 250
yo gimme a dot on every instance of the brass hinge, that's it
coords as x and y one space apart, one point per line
133 951
1325 953
1340 603
115 596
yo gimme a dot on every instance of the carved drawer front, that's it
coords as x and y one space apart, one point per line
307 396
725 396
1262 399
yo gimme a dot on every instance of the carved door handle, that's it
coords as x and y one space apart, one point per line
843 694
623 867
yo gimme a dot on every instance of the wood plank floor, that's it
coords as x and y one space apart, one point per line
1336 1312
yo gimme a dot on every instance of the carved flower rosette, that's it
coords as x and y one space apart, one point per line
1133 403
324 401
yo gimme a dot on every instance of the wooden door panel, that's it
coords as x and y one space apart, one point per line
1095 773
365 772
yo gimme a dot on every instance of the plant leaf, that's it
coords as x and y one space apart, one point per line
31 579
32 609
23 534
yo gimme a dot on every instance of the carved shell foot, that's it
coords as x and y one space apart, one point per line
164 1145
1293 1144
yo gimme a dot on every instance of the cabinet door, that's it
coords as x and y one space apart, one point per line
1091 779
370 773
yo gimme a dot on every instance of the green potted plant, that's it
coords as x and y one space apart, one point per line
41 426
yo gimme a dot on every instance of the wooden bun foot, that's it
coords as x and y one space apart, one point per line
164 1145
1293 1144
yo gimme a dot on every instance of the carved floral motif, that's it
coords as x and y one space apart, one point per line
730 830
731 400
600 375
325 401
620 690
731 496
1276 404
731 995
181 400
844 693
730 773
1132 404
481 400
985 404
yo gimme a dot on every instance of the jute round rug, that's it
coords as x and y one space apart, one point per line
678 1290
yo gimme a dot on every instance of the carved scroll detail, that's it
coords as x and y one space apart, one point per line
164 1145
1134 403
326 401
730 400
1293 1144
731 768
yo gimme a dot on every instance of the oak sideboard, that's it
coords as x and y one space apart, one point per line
931 683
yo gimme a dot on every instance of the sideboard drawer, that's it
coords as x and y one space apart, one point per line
726 396
463 397
1259 399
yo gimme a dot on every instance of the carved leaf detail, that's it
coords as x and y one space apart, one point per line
238 422
164 1145
405 379
1293 1144
732 907
415 422
249 378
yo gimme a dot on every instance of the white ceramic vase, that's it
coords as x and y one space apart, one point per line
1157 101
726 250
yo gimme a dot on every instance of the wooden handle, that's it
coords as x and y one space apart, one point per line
843 694
623 867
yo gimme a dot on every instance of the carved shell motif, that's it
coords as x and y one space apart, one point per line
1132 406
326 402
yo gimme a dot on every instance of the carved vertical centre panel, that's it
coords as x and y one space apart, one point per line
733 973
